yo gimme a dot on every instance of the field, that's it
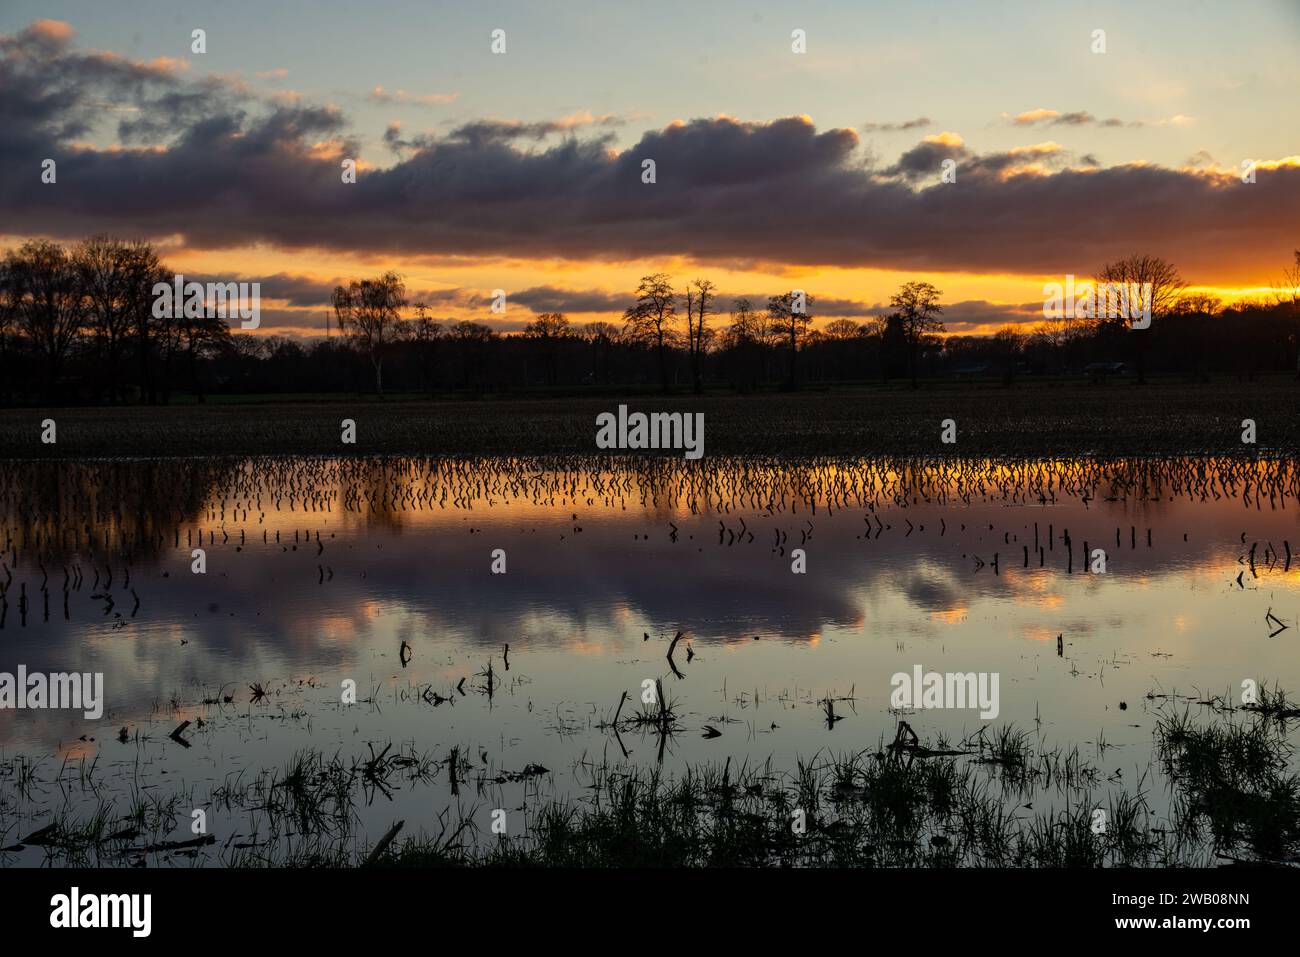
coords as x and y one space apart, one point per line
1117 417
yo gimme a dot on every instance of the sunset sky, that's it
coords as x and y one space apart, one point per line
523 170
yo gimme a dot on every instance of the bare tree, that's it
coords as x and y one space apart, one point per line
470 343
9 297
201 335
917 310
1286 291
145 269
48 301
745 337
425 333
1165 286
650 320
1009 344
112 274
874 327
601 337
746 324
1197 304
791 316
843 330
370 311
698 296
548 330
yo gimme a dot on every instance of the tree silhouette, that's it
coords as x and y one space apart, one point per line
916 310
650 320
548 330
48 302
1166 286
9 296
470 343
1287 293
76 320
425 333
790 318
745 338
104 270
602 338
369 311
698 296
201 335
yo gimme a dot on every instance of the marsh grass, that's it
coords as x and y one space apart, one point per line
1001 798
1235 781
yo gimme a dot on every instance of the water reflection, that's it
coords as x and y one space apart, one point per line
321 570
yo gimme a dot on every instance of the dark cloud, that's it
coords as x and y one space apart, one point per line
977 315
229 171
479 133
552 299
271 318
54 93
931 592
294 290
920 123
925 160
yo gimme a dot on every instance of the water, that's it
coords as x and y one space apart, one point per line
317 572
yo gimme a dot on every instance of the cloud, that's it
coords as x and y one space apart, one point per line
978 315
481 132
294 290
921 122
402 98
926 158
53 34
55 94
1045 117
205 161
924 162
554 299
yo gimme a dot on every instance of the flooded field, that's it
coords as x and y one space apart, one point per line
539 637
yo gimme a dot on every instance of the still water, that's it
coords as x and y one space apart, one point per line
790 583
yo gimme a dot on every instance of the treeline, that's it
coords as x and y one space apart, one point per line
77 325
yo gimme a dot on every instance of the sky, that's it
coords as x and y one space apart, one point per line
774 169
